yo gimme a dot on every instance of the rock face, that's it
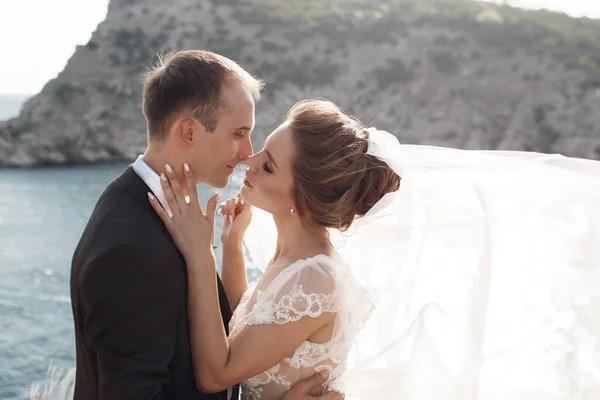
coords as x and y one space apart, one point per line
444 72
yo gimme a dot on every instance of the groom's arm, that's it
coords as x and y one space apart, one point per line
131 321
301 390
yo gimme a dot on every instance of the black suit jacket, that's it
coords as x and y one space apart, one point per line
129 299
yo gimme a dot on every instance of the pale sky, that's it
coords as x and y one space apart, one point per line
37 37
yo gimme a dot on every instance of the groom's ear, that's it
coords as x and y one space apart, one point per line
189 129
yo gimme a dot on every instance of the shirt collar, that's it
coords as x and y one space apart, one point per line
151 178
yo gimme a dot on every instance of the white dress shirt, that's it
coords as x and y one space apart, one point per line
152 179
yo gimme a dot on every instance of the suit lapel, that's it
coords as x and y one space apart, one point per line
137 188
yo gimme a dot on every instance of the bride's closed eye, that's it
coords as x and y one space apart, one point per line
266 168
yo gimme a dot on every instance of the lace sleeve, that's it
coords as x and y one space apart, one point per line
238 313
305 288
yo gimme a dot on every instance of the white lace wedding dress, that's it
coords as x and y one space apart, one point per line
478 280
307 287
484 275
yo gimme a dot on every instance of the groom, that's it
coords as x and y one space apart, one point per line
128 280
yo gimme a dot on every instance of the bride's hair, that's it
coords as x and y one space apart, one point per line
335 181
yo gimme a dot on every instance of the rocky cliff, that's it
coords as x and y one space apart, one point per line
445 72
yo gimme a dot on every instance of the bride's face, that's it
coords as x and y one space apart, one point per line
269 179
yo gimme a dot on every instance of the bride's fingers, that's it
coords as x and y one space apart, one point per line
190 181
211 207
226 208
226 221
176 187
171 202
240 205
231 208
246 209
227 211
159 209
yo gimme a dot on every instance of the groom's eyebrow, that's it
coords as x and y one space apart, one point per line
244 128
271 158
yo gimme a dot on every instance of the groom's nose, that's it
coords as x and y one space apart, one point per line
246 149
252 162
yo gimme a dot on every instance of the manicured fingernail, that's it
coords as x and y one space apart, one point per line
230 218
168 168
163 177
151 196
219 196
186 167
324 374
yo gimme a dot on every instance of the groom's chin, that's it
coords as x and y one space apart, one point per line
217 182
220 184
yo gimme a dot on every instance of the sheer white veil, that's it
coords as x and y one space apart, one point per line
484 272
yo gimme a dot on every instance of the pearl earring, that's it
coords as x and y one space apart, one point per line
292 211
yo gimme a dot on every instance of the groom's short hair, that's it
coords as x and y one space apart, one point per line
191 82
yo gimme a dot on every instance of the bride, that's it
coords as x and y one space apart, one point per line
475 278
304 313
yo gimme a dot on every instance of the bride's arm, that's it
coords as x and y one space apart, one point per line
234 273
236 218
220 364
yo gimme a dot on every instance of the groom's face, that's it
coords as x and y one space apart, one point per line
220 151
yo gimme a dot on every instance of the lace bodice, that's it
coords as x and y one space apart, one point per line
308 287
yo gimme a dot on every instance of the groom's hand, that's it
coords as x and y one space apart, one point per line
301 390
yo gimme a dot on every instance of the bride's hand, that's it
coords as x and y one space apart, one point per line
190 227
236 219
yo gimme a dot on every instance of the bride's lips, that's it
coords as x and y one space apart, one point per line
247 182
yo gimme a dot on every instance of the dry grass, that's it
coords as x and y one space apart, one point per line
56 386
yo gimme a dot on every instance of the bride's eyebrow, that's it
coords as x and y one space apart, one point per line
271 158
